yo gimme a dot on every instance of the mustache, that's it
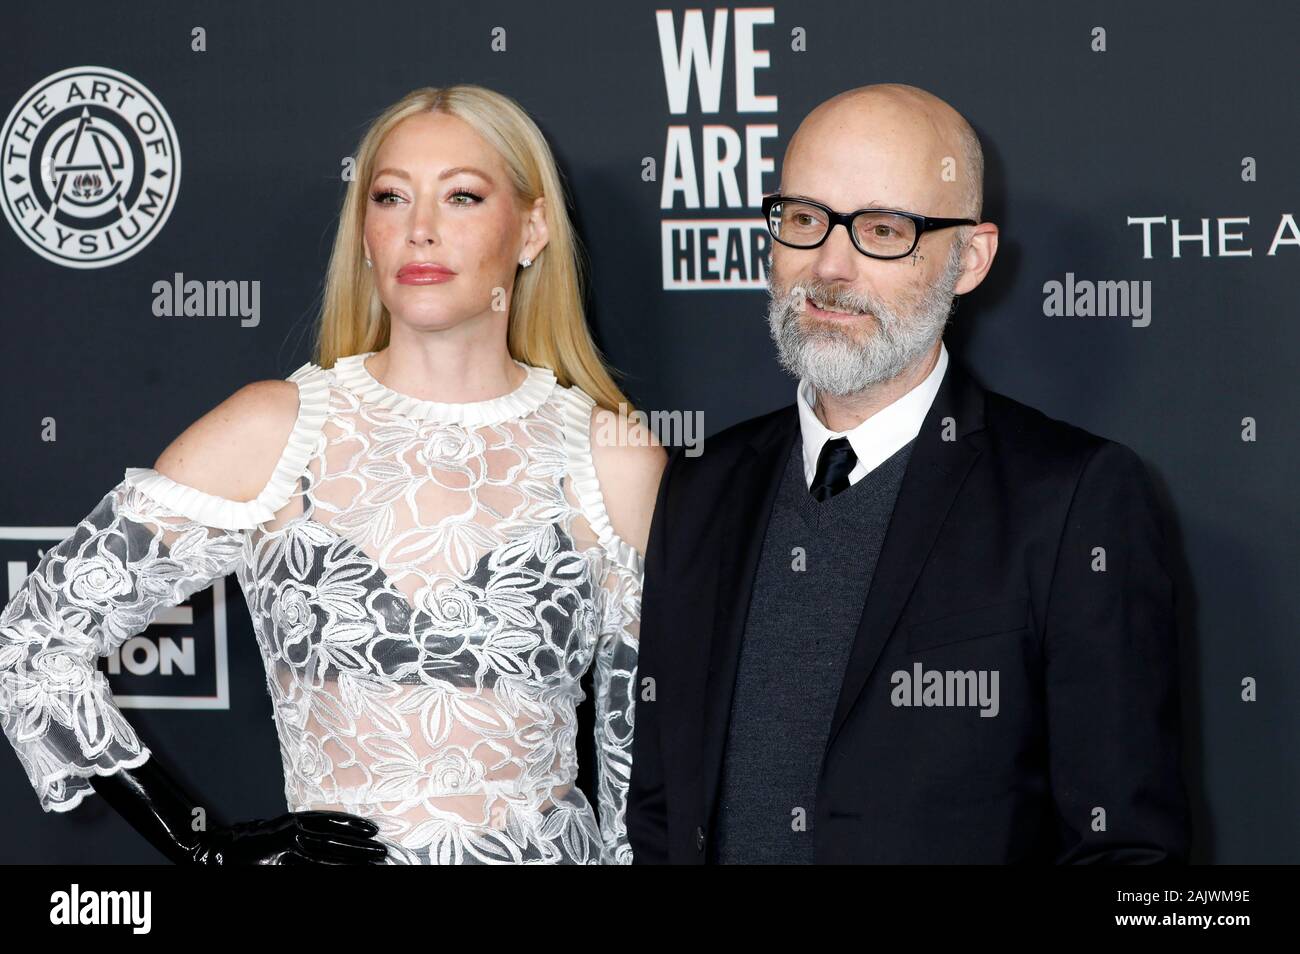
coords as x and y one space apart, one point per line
846 298
830 295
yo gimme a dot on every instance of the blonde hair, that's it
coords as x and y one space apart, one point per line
547 322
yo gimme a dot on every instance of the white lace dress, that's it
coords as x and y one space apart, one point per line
428 584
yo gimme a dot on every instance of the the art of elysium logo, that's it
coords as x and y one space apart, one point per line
90 167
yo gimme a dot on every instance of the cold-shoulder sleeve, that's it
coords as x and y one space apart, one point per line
615 665
148 544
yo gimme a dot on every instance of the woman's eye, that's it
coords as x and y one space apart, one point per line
382 196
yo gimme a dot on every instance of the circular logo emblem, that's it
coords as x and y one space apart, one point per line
90 167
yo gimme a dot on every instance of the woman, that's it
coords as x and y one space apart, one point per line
433 545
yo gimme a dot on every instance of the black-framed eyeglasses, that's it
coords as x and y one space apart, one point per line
878 233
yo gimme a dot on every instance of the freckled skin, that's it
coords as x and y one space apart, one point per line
426 220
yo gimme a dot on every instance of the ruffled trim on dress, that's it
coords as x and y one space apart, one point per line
576 408
67 780
215 511
528 397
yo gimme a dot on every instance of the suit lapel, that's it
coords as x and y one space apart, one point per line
748 510
935 471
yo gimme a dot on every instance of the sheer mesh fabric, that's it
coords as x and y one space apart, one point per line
426 600
125 561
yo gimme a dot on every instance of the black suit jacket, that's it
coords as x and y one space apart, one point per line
1018 544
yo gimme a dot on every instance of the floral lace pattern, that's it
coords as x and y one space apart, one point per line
428 585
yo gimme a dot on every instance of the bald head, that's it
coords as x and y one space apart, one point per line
892 139
860 326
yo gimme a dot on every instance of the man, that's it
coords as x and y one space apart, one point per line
905 619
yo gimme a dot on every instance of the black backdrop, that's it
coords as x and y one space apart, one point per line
1188 113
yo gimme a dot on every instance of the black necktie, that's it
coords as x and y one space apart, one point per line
834 465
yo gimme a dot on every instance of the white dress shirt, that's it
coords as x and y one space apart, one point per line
877 438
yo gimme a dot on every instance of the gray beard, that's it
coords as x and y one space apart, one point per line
830 358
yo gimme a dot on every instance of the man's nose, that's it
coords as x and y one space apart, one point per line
837 259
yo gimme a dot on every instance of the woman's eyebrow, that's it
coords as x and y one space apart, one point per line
454 170
445 174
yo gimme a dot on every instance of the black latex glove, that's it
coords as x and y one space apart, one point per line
157 807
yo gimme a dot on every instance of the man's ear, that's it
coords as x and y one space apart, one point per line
978 257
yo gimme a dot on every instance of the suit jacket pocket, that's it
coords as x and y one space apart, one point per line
990 620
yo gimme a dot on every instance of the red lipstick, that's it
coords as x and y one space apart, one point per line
424 273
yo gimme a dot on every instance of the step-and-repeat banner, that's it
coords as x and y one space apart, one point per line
1140 162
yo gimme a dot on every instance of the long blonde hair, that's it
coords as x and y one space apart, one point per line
547 322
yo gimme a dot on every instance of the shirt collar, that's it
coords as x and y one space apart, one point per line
881 435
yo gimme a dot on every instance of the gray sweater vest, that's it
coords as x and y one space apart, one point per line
809 591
